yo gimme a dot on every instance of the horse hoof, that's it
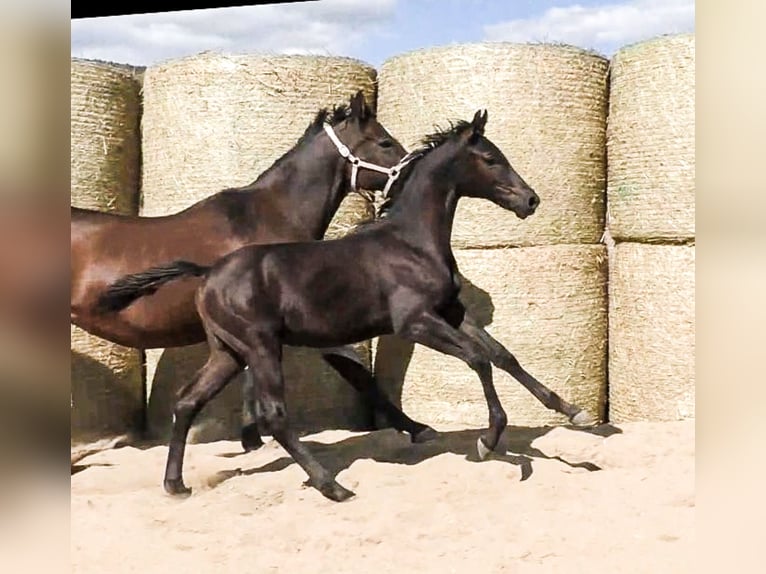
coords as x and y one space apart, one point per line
583 419
336 492
483 449
177 488
425 435
251 438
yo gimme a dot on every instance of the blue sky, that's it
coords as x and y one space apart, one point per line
374 30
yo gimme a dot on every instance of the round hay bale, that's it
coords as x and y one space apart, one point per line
547 109
317 398
546 305
650 140
107 379
651 333
105 138
107 388
214 120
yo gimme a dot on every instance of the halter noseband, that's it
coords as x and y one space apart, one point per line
392 172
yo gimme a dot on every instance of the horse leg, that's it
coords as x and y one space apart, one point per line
271 413
221 366
505 360
346 362
251 436
434 332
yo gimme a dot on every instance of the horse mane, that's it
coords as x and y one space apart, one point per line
324 116
329 116
428 143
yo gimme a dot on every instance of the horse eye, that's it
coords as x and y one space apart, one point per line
489 160
386 143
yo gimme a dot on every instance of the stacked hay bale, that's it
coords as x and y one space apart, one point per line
539 285
214 121
651 218
107 385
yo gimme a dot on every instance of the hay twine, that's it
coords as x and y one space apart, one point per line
107 387
215 120
547 108
651 140
547 305
105 141
651 333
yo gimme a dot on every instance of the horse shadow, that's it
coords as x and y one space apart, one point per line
393 354
390 446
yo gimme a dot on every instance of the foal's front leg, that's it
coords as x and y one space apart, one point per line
271 412
505 360
251 436
433 331
221 366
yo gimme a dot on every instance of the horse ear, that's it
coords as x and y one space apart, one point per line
479 121
359 107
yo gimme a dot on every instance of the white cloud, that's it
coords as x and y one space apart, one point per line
327 27
605 27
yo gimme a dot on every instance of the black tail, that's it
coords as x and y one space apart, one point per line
128 288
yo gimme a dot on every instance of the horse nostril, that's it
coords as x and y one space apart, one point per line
534 201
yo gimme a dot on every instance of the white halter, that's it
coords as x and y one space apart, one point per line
392 172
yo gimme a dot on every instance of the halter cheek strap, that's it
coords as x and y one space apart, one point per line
392 172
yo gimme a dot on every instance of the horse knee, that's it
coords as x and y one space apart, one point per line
185 409
505 360
479 363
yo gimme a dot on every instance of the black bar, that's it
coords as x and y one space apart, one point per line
89 9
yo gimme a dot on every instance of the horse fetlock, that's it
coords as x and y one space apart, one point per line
425 434
271 416
251 437
498 420
176 487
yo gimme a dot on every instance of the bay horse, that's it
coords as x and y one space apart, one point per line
396 275
342 150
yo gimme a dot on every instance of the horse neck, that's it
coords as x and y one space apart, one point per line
426 209
305 186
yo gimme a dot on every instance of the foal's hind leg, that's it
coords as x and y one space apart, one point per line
345 361
251 436
434 332
221 366
271 411
505 360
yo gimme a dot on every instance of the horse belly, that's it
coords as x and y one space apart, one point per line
327 324
167 318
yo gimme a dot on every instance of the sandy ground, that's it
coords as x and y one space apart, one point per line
612 500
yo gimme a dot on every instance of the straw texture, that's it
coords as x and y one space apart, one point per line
353 210
651 332
107 388
105 140
213 120
651 141
547 107
547 305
